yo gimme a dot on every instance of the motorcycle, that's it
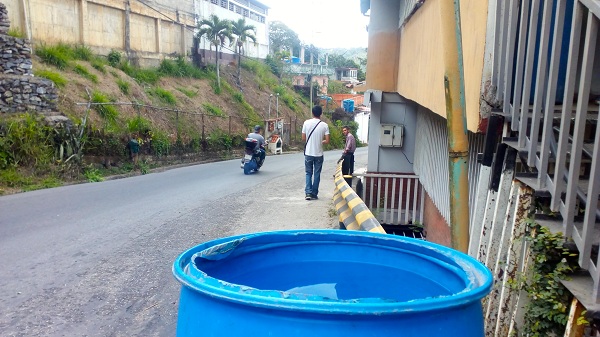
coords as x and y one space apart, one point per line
251 161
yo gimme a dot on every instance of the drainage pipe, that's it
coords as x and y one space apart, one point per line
458 144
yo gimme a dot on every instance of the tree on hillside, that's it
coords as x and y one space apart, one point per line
311 51
339 61
216 31
243 33
337 87
281 37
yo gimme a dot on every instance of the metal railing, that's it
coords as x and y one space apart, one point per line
395 199
546 96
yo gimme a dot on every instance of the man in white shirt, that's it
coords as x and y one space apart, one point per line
315 133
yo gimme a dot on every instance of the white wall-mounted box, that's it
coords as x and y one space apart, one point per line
391 135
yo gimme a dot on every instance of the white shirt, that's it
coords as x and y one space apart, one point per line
314 146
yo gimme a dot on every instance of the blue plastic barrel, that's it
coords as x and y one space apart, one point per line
329 283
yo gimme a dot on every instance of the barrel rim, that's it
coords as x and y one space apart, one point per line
480 281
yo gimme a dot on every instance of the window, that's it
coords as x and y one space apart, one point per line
214 2
245 12
238 9
231 7
224 3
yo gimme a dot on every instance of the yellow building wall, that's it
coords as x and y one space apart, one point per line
143 33
421 63
171 41
55 20
101 24
107 32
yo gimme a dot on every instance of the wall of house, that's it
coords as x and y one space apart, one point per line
421 63
391 108
382 54
436 228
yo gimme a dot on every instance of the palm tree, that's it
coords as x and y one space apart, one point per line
216 31
243 32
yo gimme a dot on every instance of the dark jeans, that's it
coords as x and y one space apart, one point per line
348 167
313 167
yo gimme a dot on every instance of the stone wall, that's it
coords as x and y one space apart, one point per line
27 93
19 90
15 56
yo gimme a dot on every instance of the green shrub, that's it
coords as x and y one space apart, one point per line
123 86
216 89
238 97
169 68
114 58
213 110
52 76
227 87
98 64
336 138
16 32
219 140
25 141
11 177
48 182
108 112
93 175
83 71
82 52
163 95
139 125
159 143
149 76
57 56
187 92
547 312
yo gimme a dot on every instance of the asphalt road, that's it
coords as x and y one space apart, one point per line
95 259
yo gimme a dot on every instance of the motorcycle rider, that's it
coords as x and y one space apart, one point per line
260 145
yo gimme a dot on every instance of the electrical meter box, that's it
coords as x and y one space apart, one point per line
391 135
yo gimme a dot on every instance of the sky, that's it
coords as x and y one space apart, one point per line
323 23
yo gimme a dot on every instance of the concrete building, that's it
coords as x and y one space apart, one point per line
255 13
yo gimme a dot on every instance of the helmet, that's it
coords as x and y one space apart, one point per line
257 128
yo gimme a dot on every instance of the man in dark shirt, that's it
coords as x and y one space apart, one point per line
348 155
260 145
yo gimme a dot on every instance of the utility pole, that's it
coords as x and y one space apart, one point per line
310 81
128 29
270 96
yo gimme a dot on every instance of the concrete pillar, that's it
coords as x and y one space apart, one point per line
184 45
382 55
302 54
83 17
25 12
158 26
127 39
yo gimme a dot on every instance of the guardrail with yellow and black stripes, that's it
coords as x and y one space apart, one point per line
352 212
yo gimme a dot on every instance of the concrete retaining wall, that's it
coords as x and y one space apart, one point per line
19 90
